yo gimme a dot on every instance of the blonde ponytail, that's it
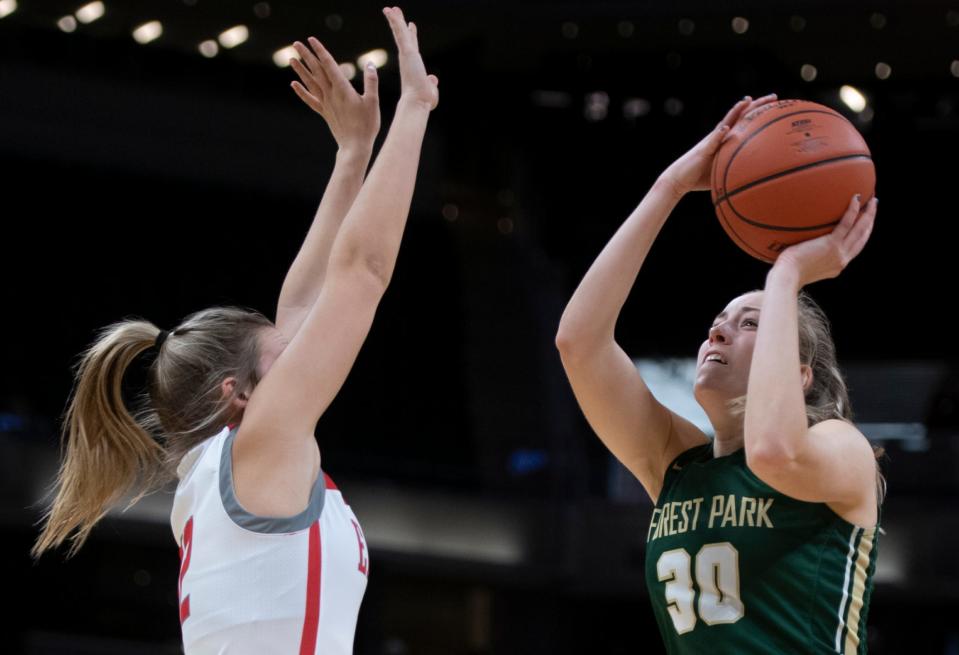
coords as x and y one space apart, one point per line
106 452
110 453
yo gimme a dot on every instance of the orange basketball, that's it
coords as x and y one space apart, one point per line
786 173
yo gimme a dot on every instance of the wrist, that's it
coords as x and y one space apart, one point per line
409 101
786 274
358 153
670 186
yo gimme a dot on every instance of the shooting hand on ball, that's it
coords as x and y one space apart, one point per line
826 256
691 171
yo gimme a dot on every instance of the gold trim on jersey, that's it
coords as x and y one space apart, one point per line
858 591
845 588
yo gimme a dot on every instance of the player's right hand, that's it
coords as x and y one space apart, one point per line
353 119
691 171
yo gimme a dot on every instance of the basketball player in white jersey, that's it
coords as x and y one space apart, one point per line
272 558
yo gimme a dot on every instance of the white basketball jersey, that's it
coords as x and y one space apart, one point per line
252 585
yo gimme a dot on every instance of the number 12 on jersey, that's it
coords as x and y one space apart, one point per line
185 551
717 576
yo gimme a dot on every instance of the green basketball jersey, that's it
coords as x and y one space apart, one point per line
733 566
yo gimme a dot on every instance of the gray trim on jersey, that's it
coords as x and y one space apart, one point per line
265 524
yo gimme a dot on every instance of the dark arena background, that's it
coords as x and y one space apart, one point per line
154 179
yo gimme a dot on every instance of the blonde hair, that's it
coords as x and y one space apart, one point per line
109 451
828 395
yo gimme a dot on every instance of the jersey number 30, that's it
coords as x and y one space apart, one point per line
717 576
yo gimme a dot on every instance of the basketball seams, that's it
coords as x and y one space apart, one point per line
739 240
848 157
749 138
788 171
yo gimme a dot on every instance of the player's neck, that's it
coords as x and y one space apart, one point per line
728 439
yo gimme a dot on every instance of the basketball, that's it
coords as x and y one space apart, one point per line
786 173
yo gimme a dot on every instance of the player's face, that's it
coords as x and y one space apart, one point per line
725 356
272 343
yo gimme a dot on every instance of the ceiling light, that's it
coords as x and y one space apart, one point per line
853 98
148 32
378 57
283 56
208 48
234 36
90 12
67 24
7 7
348 70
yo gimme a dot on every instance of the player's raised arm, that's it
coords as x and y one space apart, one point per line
276 436
639 431
354 121
831 461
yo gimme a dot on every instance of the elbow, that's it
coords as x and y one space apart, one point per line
578 339
773 439
569 340
576 332
564 339
577 345
378 268
765 459
365 269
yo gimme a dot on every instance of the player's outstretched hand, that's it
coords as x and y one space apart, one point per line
417 86
826 256
353 119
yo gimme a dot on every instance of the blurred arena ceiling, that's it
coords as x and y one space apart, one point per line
916 38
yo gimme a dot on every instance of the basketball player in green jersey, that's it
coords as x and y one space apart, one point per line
764 539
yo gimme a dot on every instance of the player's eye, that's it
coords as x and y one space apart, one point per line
749 321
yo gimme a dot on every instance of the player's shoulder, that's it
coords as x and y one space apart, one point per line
845 439
833 425
843 430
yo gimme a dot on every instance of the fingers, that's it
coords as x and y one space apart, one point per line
328 64
311 101
309 80
725 125
715 138
312 65
371 82
861 231
848 218
733 114
744 106
854 229
416 41
394 16
307 57
863 224
403 34
759 102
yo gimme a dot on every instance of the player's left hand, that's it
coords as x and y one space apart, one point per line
826 256
416 85
353 119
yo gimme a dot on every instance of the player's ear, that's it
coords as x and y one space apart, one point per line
228 390
807 375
